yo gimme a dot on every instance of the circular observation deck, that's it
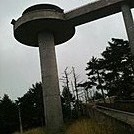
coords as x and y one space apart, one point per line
39 18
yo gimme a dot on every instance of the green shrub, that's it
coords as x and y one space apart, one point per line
34 131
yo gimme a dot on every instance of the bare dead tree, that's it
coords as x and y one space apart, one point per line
66 82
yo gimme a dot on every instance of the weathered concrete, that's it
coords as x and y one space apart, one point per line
47 25
51 93
44 26
94 11
123 116
105 115
128 20
39 18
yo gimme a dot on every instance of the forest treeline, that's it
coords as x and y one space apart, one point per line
113 73
110 75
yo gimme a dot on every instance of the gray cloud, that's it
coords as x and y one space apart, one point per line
20 65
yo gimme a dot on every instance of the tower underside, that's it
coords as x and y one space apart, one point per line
36 19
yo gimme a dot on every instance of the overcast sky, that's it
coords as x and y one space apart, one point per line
20 65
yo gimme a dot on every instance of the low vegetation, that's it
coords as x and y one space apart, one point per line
34 131
87 126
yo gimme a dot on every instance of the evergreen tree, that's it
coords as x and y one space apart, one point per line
95 74
9 119
31 107
67 103
114 72
119 74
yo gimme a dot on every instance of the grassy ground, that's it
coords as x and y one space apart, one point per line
86 126
34 131
89 126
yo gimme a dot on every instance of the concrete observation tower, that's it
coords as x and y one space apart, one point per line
44 26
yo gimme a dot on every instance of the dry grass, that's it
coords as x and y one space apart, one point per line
34 131
86 126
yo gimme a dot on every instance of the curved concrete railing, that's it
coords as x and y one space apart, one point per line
123 116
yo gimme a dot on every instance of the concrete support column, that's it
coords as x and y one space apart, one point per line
128 20
51 93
